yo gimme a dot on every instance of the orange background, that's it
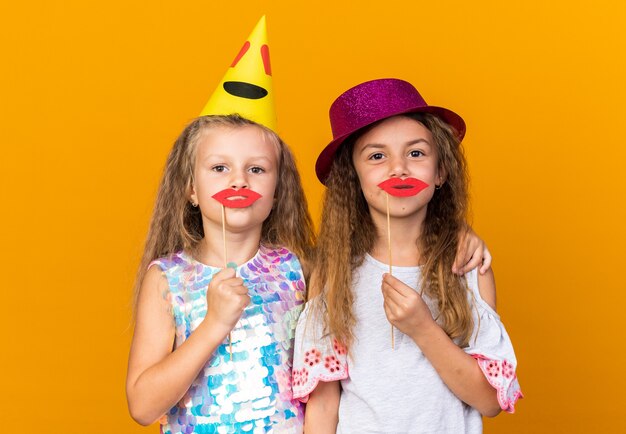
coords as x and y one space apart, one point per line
94 94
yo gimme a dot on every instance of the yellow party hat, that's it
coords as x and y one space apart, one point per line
246 88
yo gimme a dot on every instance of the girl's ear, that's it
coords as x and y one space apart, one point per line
191 193
442 175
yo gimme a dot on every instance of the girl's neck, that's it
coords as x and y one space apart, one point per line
404 247
240 247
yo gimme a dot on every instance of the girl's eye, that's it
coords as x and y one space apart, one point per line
219 168
257 170
377 156
415 153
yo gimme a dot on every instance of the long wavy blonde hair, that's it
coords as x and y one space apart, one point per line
176 225
348 233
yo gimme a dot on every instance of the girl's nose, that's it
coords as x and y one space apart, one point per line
397 167
239 179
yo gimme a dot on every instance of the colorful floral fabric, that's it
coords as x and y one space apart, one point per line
252 393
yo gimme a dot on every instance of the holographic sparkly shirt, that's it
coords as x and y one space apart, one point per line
252 393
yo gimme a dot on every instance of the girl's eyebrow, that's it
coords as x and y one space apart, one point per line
260 157
416 141
382 146
221 158
373 146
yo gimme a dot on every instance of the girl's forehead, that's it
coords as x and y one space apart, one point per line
244 141
394 129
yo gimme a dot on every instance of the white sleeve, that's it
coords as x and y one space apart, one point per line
316 357
491 346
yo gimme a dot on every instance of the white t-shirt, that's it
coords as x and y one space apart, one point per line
387 390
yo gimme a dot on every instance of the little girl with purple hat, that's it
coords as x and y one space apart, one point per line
397 188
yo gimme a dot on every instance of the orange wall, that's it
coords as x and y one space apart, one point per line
93 94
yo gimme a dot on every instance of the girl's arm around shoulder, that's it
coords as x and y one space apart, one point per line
471 252
157 377
322 409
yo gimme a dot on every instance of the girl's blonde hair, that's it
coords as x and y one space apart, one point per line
177 225
348 233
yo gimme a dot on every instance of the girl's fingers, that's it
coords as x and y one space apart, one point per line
238 288
390 293
473 255
234 281
461 252
474 261
391 309
245 301
222 275
486 261
481 257
392 302
233 284
397 286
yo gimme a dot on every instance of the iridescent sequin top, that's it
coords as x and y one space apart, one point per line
252 393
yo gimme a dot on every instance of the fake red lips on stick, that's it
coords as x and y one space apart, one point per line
403 187
243 197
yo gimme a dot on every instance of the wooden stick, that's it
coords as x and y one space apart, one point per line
230 337
224 236
389 251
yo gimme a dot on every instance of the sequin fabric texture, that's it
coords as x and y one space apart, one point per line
253 392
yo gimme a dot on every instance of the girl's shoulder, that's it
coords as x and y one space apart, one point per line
266 257
172 261
273 255
483 291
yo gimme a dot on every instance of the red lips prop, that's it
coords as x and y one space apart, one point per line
403 187
245 197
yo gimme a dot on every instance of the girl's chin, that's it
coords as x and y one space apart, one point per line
400 212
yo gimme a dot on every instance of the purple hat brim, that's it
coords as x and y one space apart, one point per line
325 160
